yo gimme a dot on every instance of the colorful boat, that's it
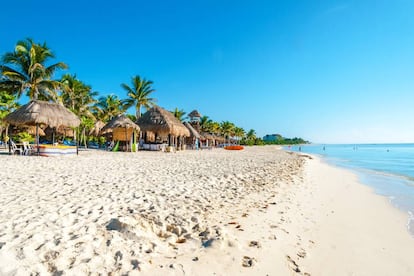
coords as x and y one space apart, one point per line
234 147
58 150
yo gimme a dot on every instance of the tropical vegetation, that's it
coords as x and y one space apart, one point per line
30 70
139 94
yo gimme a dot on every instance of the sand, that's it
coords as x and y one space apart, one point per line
260 211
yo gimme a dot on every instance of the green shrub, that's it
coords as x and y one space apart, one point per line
24 137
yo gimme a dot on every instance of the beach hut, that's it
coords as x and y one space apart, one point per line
194 141
208 140
195 118
36 113
194 115
164 127
123 130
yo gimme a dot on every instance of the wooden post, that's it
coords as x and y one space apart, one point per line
37 139
76 141
126 139
8 138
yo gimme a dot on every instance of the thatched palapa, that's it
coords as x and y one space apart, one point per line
40 112
162 122
122 129
194 114
119 121
37 113
193 132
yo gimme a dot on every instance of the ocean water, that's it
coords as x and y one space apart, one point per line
387 168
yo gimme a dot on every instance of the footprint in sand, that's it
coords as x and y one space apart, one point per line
248 261
254 244
293 265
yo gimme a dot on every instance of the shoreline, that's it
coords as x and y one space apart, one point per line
357 225
258 211
375 179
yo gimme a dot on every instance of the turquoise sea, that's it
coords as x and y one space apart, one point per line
388 168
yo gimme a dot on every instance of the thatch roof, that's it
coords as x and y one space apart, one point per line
219 138
194 114
96 130
193 132
41 112
62 130
208 136
32 131
119 121
161 121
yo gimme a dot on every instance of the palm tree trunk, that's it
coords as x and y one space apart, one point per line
84 136
138 112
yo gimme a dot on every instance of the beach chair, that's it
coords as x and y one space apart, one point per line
14 149
27 149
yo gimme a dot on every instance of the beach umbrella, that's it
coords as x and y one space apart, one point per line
121 127
38 112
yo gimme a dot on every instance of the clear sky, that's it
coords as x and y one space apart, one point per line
327 71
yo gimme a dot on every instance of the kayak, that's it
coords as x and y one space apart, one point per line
234 147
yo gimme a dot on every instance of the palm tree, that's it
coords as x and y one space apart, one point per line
251 135
205 124
76 95
108 107
227 129
8 104
25 70
239 133
214 127
178 113
79 98
139 94
132 117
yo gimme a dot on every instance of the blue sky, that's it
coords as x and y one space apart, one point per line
327 71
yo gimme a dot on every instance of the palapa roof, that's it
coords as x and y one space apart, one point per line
62 130
208 136
119 121
41 112
161 121
193 132
194 114
32 131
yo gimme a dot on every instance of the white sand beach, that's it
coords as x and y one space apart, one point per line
260 211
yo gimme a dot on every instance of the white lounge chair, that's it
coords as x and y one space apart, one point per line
14 149
27 148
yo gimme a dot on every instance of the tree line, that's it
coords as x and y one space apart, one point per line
30 70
